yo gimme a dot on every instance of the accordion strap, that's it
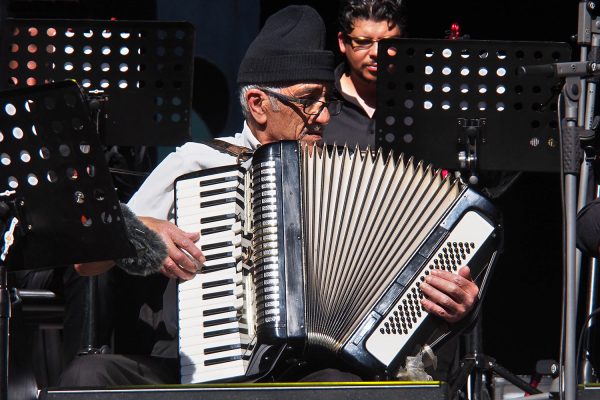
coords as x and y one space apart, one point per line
241 153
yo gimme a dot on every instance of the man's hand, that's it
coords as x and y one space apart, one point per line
449 296
178 264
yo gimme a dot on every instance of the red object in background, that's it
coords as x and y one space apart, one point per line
454 32
534 382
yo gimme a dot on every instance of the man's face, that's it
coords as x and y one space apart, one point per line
360 46
289 120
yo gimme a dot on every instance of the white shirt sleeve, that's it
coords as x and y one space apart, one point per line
155 198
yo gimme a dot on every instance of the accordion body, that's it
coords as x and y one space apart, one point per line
314 250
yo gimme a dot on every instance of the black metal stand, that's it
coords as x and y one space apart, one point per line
571 162
145 69
90 342
588 38
461 105
476 363
137 76
4 307
481 362
4 326
58 189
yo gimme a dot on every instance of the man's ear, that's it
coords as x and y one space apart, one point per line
341 42
257 101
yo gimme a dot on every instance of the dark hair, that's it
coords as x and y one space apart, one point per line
378 10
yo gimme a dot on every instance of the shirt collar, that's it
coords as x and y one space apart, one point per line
248 138
339 71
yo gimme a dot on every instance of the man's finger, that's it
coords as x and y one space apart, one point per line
446 286
165 271
440 298
435 309
183 260
186 241
459 287
176 271
465 272
192 250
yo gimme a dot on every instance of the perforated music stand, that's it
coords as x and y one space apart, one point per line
460 103
137 76
144 68
55 179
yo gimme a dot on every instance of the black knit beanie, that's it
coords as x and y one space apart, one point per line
289 48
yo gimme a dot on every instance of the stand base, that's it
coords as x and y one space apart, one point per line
477 364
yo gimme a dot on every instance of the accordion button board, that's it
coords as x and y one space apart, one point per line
407 314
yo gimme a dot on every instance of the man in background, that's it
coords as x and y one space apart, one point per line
363 23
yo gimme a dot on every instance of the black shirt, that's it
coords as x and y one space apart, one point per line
352 125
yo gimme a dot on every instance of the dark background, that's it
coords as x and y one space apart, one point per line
482 20
522 308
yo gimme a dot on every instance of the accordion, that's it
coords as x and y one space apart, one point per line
318 250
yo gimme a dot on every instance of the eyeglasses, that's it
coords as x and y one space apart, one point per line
309 106
364 43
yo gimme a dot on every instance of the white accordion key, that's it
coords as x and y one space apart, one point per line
216 235
234 250
198 312
227 370
212 280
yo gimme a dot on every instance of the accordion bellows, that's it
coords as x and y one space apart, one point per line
366 218
328 249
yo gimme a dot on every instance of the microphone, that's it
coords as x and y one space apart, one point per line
150 248
562 69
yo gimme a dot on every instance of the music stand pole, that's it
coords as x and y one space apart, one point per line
4 293
5 304
570 148
588 38
4 318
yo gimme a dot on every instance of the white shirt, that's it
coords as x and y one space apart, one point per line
155 197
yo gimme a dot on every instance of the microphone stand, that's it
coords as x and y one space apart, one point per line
578 95
587 38
570 162
571 129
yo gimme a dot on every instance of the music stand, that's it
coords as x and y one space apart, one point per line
54 178
461 105
136 74
144 68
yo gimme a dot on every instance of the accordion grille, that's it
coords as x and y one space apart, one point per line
365 216
265 241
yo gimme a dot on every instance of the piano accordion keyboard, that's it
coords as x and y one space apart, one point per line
214 341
